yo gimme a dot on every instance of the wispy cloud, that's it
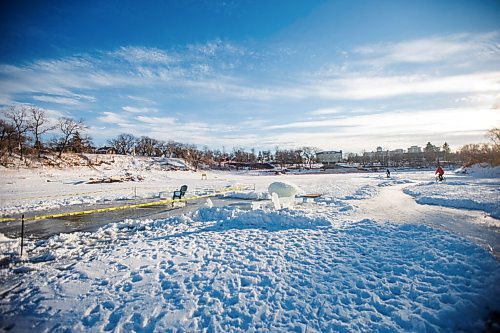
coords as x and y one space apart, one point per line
142 55
133 109
215 47
56 99
156 121
141 99
433 49
327 111
113 118
200 72
382 86
405 122
69 99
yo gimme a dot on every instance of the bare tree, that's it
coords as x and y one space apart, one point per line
175 149
124 143
194 156
147 146
38 124
170 148
19 121
309 155
7 137
69 127
494 135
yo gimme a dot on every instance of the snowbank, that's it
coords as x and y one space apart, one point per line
480 171
246 195
477 195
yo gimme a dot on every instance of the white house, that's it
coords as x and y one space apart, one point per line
397 152
329 158
414 150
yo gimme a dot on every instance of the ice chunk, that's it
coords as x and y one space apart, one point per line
283 189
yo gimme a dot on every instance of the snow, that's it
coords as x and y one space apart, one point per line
466 192
247 195
350 260
480 170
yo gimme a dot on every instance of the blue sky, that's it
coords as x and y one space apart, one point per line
348 75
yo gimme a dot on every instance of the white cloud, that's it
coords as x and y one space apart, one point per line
114 118
141 99
216 46
144 55
133 109
405 124
457 125
69 99
375 87
483 99
327 111
433 49
56 99
157 121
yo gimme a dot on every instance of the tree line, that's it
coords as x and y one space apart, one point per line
128 144
23 129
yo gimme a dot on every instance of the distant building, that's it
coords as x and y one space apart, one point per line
329 158
414 150
397 152
105 150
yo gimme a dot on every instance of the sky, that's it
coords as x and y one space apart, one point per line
336 75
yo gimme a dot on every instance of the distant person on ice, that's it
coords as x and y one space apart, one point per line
440 173
388 173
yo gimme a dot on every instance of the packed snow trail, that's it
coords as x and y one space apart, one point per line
393 205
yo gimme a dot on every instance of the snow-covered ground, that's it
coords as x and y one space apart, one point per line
363 257
478 189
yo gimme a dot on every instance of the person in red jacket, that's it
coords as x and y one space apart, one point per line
439 172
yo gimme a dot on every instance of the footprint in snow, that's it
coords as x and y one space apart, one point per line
136 277
113 320
92 316
169 285
108 305
127 287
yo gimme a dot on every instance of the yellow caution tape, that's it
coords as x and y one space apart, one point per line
109 209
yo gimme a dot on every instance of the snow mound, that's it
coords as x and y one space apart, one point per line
481 171
231 218
482 195
247 195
